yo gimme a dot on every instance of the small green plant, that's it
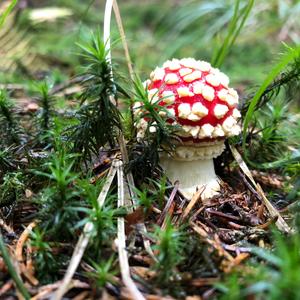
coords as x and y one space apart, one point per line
103 218
11 188
46 102
161 186
98 119
293 170
60 195
144 199
144 157
8 123
291 57
46 263
270 139
169 249
104 272
278 278
6 160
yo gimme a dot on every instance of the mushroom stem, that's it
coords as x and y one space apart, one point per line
192 175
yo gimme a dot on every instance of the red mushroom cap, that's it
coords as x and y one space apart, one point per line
199 98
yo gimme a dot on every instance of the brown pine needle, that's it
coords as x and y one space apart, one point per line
168 204
192 203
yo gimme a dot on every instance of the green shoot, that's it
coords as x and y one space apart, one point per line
161 187
8 124
103 218
46 102
46 264
103 272
278 278
98 117
6 160
7 11
143 198
169 250
236 24
290 56
58 198
11 188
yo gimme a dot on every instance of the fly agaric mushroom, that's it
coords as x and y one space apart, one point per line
205 107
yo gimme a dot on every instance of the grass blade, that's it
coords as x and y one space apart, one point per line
290 56
246 14
233 32
220 55
7 11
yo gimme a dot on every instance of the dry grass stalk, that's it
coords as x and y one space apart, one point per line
280 223
123 258
121 139
123 38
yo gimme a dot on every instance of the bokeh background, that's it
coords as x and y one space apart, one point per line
42 36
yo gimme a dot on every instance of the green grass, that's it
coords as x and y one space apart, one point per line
7 11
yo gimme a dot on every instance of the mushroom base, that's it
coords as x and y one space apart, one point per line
192 176
194 168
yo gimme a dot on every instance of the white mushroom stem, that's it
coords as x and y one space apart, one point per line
193 167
